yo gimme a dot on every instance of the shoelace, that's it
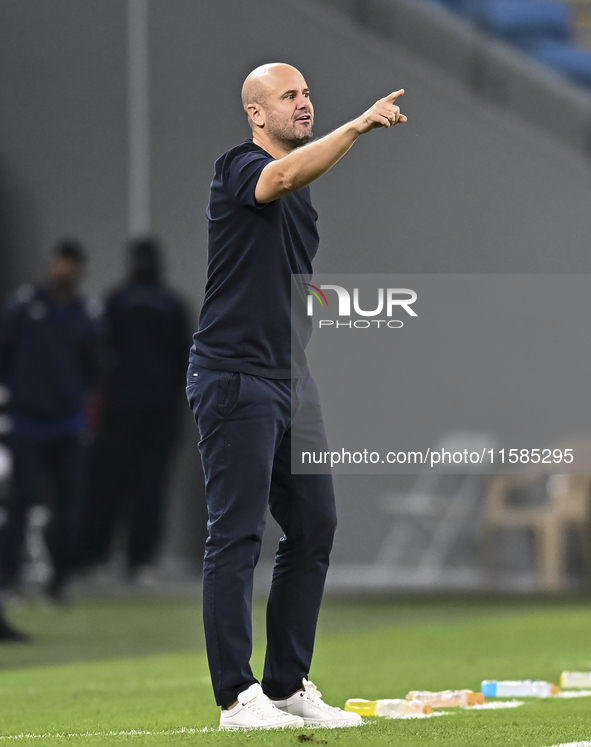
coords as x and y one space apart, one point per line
315 696
261 706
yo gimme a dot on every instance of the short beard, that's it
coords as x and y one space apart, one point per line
286 134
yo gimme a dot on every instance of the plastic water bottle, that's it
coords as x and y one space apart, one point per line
575 679
394 707
446 698
521 688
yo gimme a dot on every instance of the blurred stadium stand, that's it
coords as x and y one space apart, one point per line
518 54
541 28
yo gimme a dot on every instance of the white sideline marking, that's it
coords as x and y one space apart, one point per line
573 694
422 715
141 733
127 733
496 704
573 744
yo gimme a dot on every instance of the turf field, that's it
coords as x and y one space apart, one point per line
133 671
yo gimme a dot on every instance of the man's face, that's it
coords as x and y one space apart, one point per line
65 274
289 112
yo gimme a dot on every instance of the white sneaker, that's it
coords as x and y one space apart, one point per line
255 711
309 705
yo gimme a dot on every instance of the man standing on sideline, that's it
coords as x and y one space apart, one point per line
49 360
241 385
140 411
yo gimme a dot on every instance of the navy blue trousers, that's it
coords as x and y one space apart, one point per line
134 450
246 424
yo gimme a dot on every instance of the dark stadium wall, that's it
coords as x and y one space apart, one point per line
63 150
460 188
17 226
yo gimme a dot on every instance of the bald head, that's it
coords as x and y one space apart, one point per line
263 80
277 102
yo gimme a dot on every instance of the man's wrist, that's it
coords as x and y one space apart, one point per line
356 127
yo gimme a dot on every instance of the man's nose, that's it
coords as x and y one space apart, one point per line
303 102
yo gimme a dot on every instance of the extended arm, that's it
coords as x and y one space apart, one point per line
303 165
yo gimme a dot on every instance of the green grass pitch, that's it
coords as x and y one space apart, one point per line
133 671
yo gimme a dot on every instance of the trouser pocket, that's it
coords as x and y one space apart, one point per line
228 391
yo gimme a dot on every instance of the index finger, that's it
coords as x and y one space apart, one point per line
395 95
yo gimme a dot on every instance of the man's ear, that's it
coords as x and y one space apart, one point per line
256 114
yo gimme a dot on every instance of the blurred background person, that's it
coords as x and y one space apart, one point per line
7 631
147 340
49 361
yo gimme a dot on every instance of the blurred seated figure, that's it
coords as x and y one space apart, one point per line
147 340
49 363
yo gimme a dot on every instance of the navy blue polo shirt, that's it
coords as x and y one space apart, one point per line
253 249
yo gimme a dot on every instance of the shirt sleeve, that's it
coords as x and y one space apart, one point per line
242 175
